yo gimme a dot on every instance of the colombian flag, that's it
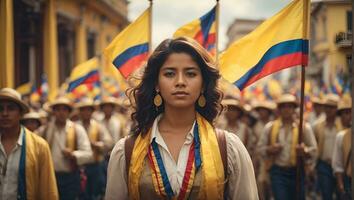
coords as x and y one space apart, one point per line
84 73
202 30
130 48
278 43
25 89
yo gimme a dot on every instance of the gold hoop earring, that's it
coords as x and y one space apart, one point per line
157 100
201 101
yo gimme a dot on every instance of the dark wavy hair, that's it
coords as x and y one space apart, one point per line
143 94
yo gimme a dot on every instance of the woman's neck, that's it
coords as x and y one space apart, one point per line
178 118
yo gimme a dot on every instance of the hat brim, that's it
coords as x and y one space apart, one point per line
64 104
23 106
342 109
264 107
288 102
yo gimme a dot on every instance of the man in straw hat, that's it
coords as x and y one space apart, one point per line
265 110
101 143
233 115
341 161
110 120
25 162
279 145
70 147
31 120
317 113
325 133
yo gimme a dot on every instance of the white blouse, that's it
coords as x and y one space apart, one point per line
241 184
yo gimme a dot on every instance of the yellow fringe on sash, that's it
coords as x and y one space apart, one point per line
212 168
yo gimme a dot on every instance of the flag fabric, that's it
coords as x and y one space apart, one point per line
202 30
24 89
40 93
278 43
44 89
130 48
35 95
84 73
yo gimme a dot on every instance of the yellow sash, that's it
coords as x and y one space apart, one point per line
295 139
347 139
93 136
71 138
212 168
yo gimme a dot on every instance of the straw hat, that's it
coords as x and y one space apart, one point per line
32 115
331 100
287 98
344 105
42 113
316 100
232 103
85 103
109 100
269 105
62 101
12 95
124 102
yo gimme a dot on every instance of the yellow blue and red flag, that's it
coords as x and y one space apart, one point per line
278 43
85 73
25 89
202 30
40 93
130 48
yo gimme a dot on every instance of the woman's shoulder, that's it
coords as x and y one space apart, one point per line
231 138
118 149
236 150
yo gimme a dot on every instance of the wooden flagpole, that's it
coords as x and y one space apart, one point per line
217 19
299 165
352 95
150 26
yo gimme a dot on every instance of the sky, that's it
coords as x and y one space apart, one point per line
169 15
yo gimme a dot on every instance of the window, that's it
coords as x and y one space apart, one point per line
91 45
349 21
28 19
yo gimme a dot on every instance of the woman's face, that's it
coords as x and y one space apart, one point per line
180 81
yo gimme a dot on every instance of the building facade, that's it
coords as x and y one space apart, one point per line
52 36
331 39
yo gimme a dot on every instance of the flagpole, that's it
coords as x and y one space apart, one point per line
100 71
150 26
299 166
217 30
352 95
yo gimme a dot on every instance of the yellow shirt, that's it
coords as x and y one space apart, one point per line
40 177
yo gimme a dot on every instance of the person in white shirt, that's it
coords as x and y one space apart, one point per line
175 152
70 147
341 161
325 133
110 120
279 144
32 121
101 143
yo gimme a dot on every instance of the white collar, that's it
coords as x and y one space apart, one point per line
155 133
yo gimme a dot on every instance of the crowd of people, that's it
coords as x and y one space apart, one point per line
180 138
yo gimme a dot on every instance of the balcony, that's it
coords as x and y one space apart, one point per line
344 40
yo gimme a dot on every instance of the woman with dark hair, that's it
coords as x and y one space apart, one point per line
174 151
